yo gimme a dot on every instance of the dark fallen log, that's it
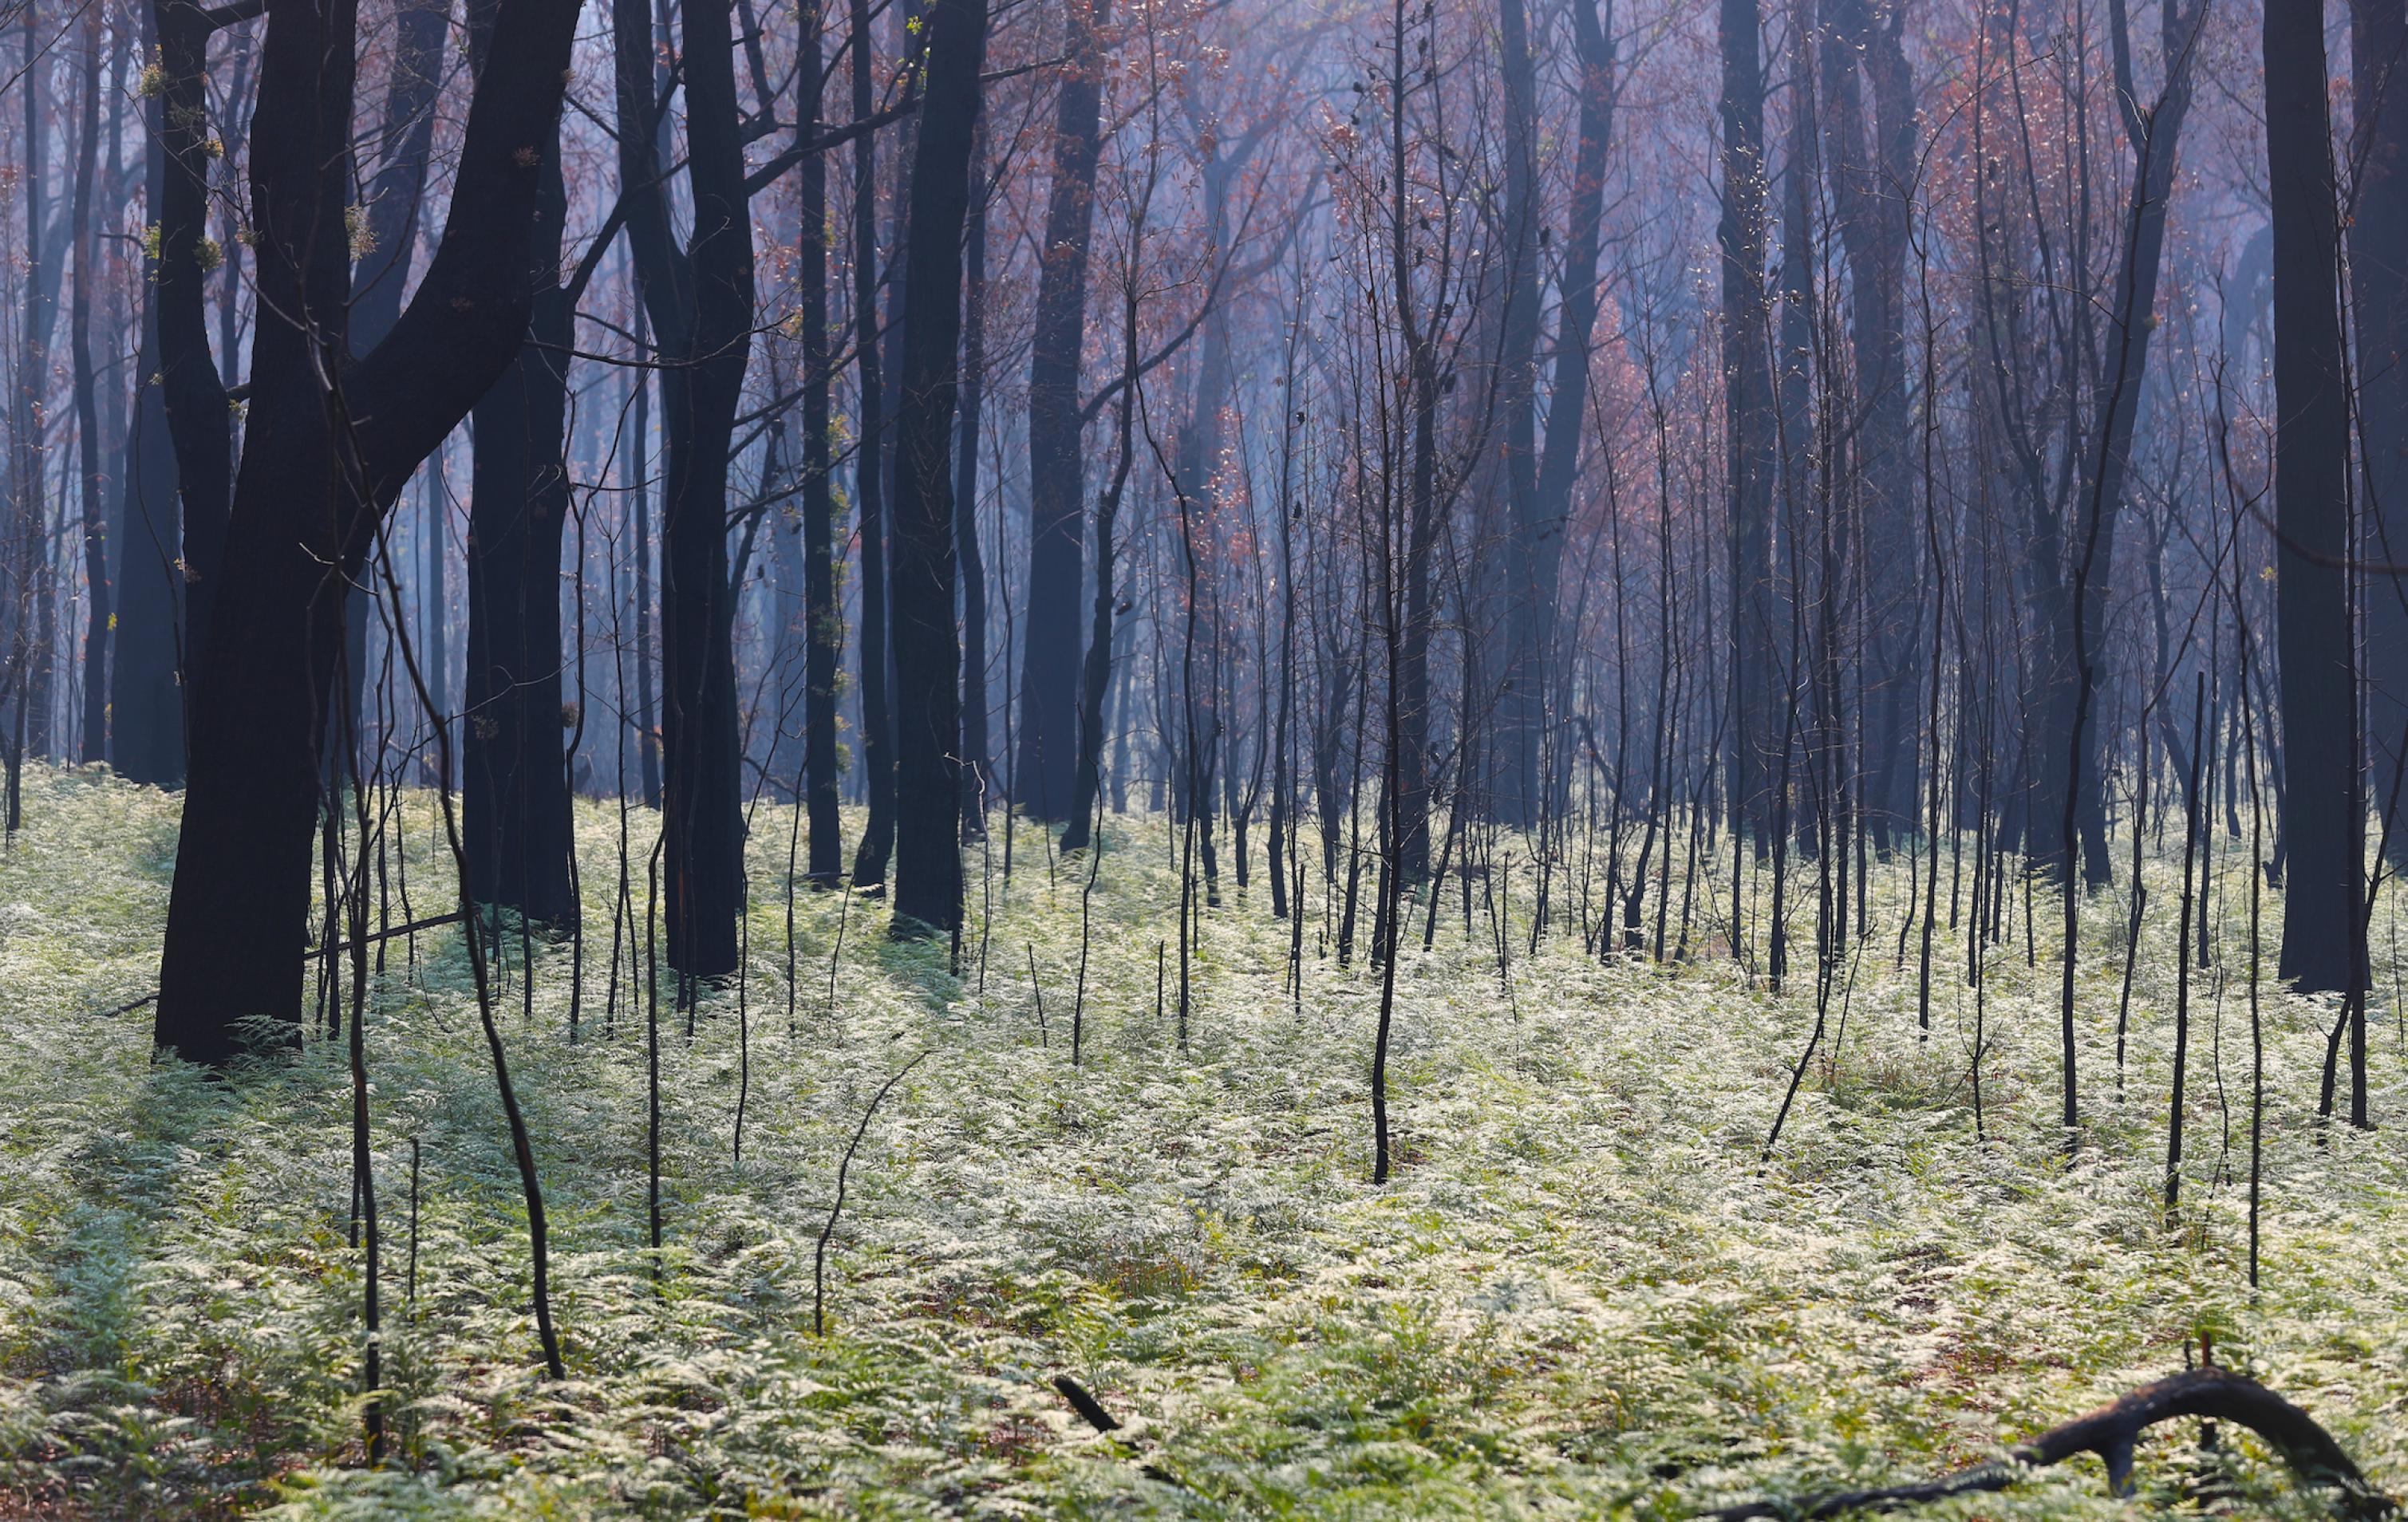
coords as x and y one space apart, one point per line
2109 1432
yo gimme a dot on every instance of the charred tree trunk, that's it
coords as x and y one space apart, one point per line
869 486
1516 793
1559 460
1793 396
1095 677
146 700
390 222
318 467
1872 181
700 301
191 393
821 612
1043 774
26 614
2323 818
514 782
2378 272
2112 1432
978 774
927 649
1751 434
88 443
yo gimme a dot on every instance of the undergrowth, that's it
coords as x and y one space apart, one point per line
1583 1296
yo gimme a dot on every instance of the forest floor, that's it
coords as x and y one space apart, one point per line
1580 1295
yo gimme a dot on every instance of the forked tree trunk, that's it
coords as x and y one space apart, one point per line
390 216
318 470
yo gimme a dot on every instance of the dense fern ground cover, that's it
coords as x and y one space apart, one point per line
1579 1296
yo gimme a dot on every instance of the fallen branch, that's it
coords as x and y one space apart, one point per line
2109 1432
396 931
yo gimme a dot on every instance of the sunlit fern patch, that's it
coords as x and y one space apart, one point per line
1583 1296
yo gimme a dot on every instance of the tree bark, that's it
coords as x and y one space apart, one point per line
1057 523
1871 182
88 443
320 466
821 612
928 648
1559 460
978 774
1751 432
1517 800
2378 272
2323 816
869 486
390 214
514 780
700 301
146 699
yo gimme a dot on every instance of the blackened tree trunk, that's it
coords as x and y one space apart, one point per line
928 648
389 218
869 487
1751 433
27 611
786 599
191 393
88 443
640 514
2076 590
823 614
1407 818
1872 179
978 775
1409 815
2323 819
514 780
1795 362
1559 460
1198 456
700 301
146 701
1517 798
1095 677
318 467
2378 271
1042 777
